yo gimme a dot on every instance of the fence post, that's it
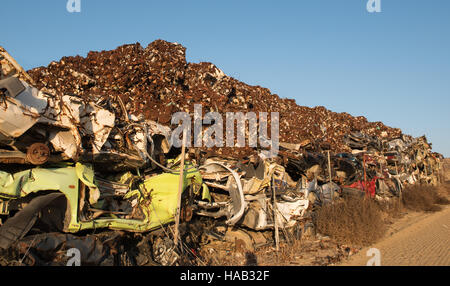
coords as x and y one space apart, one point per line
180 189
329 166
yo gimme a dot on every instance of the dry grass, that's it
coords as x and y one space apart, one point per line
361 221
356 221
288 252
424 198
393 209
444 190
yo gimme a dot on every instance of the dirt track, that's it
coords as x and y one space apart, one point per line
419 239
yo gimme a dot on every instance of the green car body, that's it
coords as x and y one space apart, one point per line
157 196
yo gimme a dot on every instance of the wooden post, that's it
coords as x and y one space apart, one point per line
180 189
329 165
365 174
432 174
275 218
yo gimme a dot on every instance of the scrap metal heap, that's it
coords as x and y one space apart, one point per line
157 81
101 125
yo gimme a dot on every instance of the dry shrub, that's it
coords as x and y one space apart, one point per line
392 208
423 198
288 251
357 221
444 189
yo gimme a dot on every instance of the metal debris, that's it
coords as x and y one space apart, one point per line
98 128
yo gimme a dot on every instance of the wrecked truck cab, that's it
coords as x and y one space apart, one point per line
71 199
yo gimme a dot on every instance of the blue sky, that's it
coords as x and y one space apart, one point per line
392 66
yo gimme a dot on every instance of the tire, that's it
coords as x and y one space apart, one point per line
20 224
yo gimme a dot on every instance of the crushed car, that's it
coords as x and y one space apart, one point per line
72 199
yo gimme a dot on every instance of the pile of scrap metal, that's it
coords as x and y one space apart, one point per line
380 167
71 164
36 127
73 199
405 160
254 195
157 81
258 194
101 168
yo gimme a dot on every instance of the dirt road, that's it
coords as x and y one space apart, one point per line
421 239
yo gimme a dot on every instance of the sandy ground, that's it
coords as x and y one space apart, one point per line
419 239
